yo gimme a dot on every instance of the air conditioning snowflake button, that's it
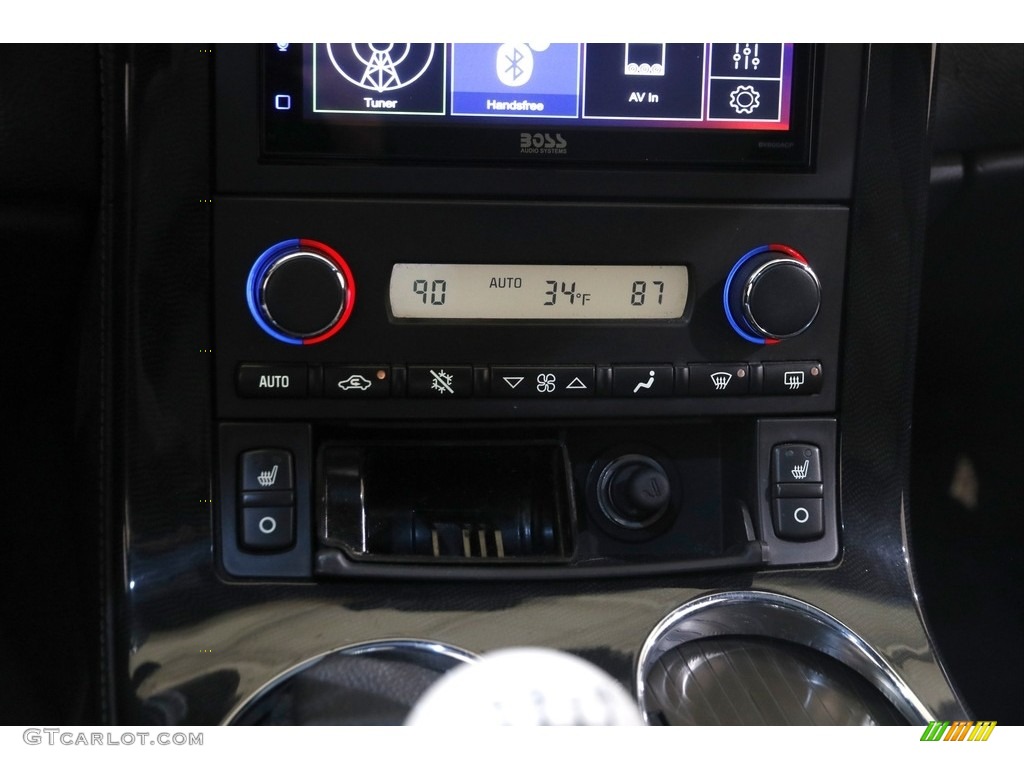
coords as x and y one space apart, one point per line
771 294
300 291
440 381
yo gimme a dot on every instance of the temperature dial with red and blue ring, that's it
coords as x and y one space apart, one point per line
771 294
300 291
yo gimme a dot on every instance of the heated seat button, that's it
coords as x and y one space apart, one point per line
267 469
797 463
799 519
792 378
269 380
267 528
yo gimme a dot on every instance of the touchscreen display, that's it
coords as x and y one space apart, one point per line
728 86
483 101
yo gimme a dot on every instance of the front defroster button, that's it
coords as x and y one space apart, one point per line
719 379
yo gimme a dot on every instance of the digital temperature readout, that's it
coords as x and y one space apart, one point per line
537 292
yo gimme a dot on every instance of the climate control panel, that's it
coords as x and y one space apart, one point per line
476 310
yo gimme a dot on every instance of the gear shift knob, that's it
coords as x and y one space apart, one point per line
526 686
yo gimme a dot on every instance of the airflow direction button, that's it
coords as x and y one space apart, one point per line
642 380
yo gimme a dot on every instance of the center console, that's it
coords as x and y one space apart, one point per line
529 310
434 350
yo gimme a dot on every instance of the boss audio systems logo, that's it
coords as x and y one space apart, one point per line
958 731
542 144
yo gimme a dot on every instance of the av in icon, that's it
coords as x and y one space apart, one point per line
644 59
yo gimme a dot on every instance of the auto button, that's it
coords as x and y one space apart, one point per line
272 380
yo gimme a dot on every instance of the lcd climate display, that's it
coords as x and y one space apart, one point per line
537 292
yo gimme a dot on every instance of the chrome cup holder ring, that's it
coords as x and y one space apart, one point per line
370 683
761 658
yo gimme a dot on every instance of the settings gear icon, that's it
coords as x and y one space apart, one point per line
744 99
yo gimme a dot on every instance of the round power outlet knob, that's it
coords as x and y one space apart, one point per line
771 294
300 291
634 491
